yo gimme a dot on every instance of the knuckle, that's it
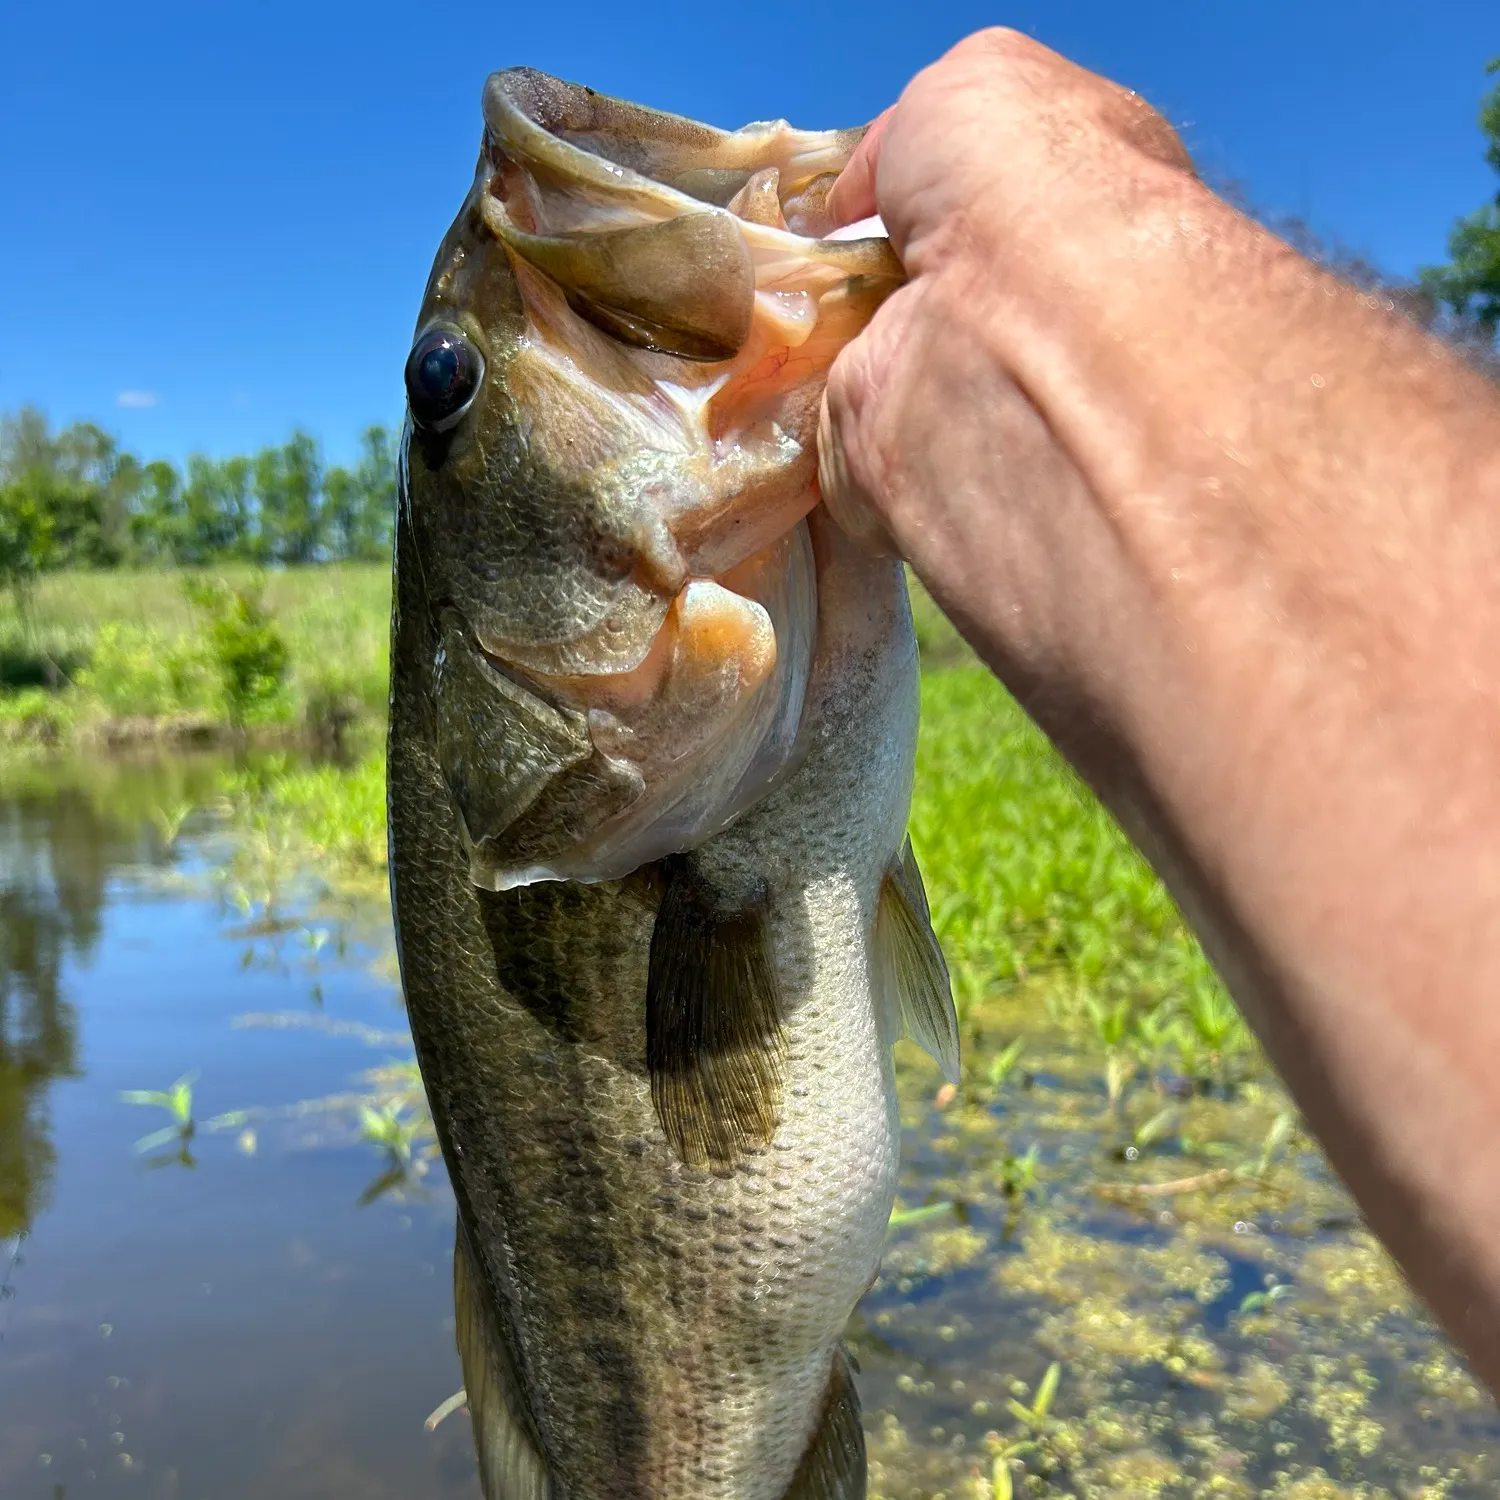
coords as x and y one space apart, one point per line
999 42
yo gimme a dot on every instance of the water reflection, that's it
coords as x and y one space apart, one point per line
61 841
49 907
129 956
278 1322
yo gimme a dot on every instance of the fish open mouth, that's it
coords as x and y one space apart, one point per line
681 307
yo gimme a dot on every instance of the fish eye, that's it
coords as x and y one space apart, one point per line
443 372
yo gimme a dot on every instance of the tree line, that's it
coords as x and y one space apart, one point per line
74 498
1469 285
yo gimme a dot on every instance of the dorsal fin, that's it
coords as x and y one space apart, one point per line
510 1464
714 1042
833 1467
910 968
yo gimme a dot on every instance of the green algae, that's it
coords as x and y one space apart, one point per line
1225 1325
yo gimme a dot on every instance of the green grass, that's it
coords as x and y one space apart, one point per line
1033 883
128 645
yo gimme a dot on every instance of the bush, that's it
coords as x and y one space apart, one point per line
136 671
246 647
33 714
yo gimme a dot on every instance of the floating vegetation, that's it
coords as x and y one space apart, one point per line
1189 1288
177 1100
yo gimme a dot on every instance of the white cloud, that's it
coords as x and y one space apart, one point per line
136 398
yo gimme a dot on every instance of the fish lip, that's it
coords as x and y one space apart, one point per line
513 133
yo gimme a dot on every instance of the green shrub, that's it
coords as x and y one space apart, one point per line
33 714
134 670
245 646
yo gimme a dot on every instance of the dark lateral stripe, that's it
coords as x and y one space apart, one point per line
833 1468
714 1041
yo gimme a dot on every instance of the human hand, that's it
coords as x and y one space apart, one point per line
1226 526
1007 178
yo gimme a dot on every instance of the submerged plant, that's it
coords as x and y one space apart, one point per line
1017 1174
1282 1130
1002 1063
1035 1423
1145 1135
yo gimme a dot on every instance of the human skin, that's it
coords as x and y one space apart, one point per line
1230 530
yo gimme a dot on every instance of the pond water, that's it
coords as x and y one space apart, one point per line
260 1306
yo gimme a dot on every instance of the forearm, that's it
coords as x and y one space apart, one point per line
1284 677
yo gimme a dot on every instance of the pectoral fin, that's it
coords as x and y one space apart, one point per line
714 1042
909 966
684 286
833 1468
510 1465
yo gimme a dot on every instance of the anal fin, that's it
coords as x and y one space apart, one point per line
510 1465
910 967
833 1467
714 1041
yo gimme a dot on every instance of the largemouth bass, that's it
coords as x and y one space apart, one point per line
652 733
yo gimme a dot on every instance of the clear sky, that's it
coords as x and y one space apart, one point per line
218 217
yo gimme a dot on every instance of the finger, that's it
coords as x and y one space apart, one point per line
851 513
852 197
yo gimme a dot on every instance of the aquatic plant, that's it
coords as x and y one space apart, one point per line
1017 1174
1000 1066
901 1218
387 1126
1035 1425
177 1100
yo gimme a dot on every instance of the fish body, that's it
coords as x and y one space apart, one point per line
652 732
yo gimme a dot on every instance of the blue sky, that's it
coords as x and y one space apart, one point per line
217 218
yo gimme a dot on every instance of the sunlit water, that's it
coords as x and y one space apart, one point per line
235 1323
260 1308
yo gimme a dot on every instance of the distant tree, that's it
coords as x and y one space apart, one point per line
1469 285
218 503
25 534
377 481
25 443
359 505
288 494
75 478
341 509
75 499
159 521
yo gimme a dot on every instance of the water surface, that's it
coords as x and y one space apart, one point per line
260 1308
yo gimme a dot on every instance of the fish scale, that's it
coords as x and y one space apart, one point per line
666 1101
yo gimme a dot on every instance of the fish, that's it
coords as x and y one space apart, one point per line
652 736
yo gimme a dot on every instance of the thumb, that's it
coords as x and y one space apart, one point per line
847 502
